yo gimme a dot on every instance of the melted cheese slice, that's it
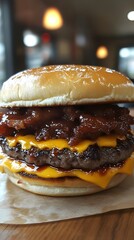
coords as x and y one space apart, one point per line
98 178
1 168
2 156
29 140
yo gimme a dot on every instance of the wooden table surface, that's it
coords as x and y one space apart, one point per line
117 225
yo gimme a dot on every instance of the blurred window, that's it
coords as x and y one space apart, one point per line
38 49
126 61
2 50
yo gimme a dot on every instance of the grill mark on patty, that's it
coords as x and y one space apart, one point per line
93 158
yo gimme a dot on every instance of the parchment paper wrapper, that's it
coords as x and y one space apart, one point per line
18 206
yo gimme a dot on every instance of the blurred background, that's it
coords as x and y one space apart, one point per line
36 33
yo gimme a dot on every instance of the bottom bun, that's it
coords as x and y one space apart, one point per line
67 186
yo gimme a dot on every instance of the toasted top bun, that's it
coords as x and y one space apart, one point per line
66 85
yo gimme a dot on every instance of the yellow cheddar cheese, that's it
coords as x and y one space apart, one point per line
101 179
29 140
97 177
1 167
1 161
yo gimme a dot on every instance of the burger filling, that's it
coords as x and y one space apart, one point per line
73 125
93 158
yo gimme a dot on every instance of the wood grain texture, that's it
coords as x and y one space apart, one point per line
118 225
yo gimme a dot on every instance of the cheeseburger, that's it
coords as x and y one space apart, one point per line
63 131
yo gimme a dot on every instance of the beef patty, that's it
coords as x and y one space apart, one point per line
93 158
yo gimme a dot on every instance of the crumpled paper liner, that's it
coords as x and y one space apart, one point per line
18 206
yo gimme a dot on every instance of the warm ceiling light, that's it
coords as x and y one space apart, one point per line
102 52
130 16
52 19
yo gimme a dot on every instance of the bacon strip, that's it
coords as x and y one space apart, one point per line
70 122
